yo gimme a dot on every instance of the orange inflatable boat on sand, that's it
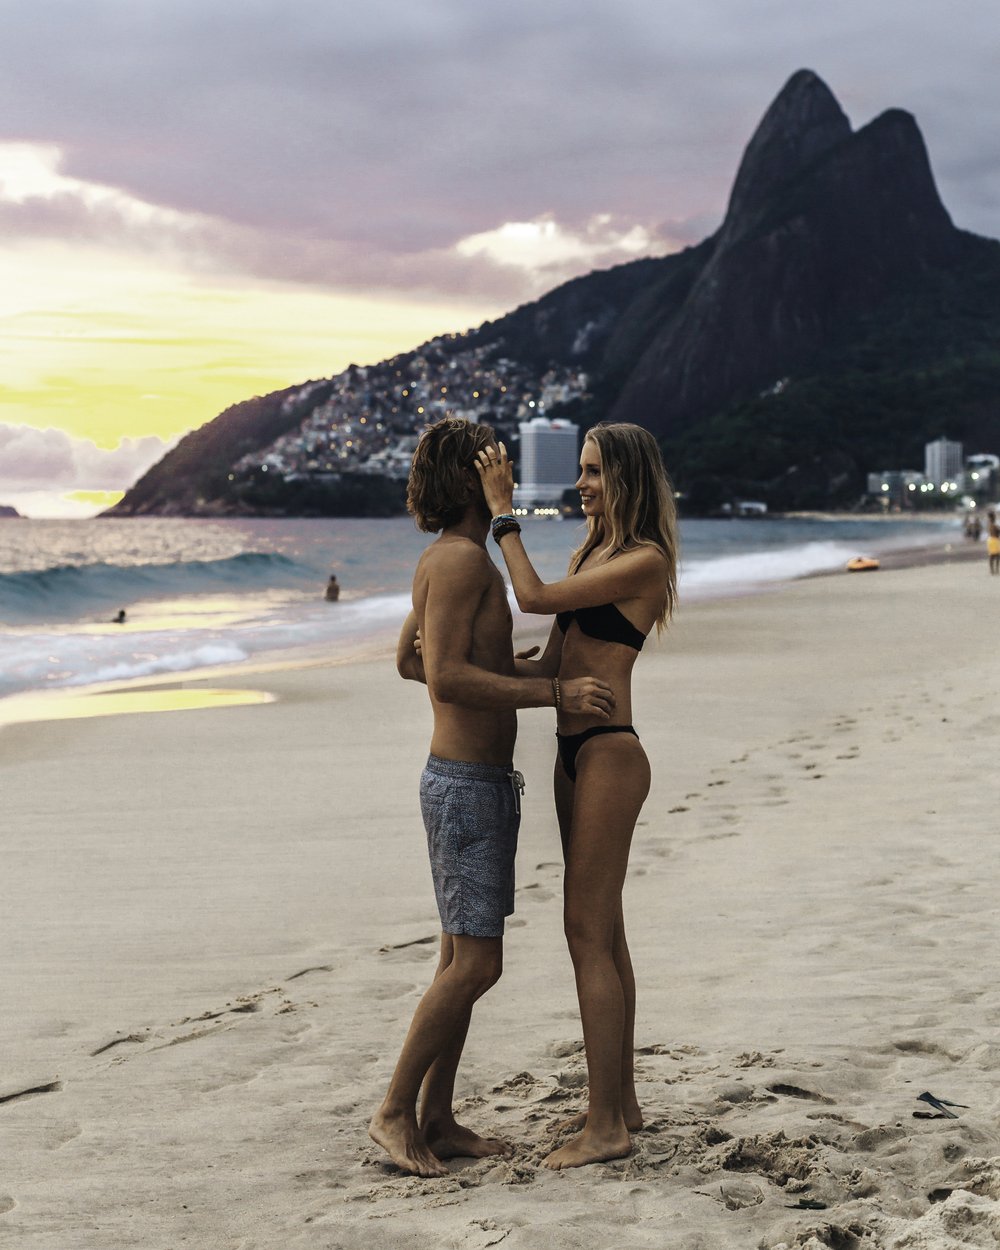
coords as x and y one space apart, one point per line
862 564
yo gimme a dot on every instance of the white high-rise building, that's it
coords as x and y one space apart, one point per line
943 461
548 461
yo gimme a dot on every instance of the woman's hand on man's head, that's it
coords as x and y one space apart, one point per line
497 476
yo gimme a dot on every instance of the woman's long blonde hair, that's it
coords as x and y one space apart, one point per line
639 508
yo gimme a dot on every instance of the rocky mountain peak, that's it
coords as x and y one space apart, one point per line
803 123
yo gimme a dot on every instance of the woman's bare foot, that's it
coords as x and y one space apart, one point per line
404 1143
589 1147
632 1116
451 1141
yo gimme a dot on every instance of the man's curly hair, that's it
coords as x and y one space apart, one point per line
439 488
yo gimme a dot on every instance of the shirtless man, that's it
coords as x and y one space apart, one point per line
469 791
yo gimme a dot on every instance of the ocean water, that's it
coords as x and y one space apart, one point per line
206 593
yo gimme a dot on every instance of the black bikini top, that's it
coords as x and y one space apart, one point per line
605 622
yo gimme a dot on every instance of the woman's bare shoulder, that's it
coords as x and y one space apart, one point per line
648 559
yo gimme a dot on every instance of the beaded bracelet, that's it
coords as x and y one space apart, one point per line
503 527
556 694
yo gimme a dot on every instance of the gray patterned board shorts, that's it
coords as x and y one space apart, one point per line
472 813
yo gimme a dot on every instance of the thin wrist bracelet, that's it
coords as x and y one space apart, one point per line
556 693
504 516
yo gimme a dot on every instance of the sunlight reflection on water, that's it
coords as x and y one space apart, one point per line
76 705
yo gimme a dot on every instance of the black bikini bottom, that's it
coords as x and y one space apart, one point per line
570 744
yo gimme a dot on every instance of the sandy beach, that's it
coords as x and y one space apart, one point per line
217 922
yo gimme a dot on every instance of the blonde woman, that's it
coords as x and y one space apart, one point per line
622 581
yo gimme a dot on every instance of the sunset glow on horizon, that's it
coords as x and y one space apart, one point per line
106 346
238 203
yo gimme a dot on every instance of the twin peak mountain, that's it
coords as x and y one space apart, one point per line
834 322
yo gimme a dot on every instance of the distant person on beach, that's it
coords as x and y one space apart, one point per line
469 789
332 592
993 541
120 618
622 581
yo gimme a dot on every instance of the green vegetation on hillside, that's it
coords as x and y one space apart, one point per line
928 365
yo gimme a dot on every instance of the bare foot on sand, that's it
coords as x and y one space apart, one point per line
632 1115
451 1141
404 1143
589 1148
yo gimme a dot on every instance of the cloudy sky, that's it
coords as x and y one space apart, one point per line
203 200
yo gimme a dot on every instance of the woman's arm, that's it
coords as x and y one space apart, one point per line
627 576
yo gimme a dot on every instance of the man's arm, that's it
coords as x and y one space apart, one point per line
409 662
460 577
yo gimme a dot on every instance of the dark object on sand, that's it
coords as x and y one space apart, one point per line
120 618
332 592
940 1106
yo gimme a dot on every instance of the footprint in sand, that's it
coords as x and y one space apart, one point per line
918 1046
796 1091
119 1041
521 1083
402 946
411 952
196 1036
538 892
773 1156
562 1050
481 1234
62 1135
50 1088
6 1204
247 1005
753 1059
738 1195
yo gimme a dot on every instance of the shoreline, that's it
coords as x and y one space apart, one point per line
525 633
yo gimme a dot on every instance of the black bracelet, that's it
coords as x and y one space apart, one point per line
506 527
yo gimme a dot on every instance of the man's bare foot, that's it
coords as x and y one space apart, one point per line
404 1143
632 1116
451 1141
589 1147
